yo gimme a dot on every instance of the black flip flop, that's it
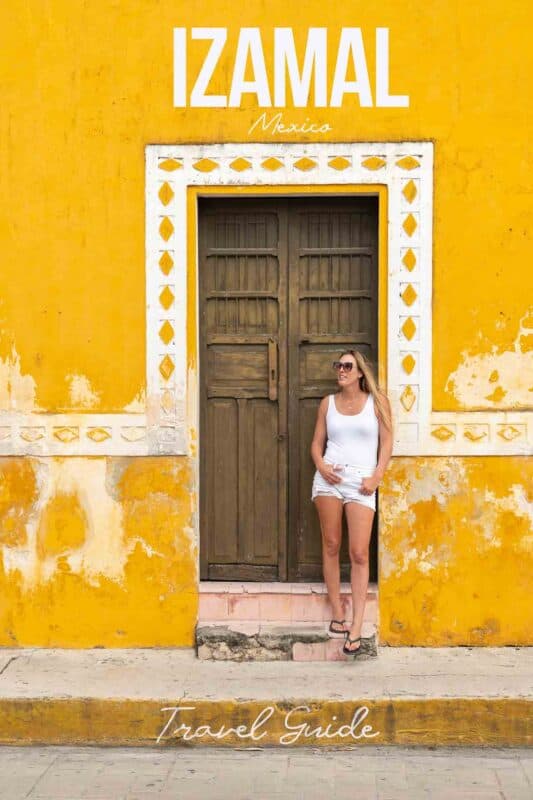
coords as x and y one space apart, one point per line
332 631
348 652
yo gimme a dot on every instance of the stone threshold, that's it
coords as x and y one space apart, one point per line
258 641
253 626
274 587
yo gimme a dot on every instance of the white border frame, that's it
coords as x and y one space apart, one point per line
406 168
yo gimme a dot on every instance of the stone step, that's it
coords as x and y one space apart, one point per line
275 641
160 697
279 602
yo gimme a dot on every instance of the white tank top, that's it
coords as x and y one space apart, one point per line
352 439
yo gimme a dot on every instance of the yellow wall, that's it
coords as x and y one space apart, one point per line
100 551
456 552
104 552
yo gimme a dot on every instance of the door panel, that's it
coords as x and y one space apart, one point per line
262 459
241 369
333 258
243 343
223 477
285 285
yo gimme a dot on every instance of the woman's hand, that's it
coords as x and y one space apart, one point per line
369 485
329 474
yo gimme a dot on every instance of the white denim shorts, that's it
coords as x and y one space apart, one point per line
348 489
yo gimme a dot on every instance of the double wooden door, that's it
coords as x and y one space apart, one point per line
285 285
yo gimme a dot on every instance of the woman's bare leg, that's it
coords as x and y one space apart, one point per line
330 516
359 519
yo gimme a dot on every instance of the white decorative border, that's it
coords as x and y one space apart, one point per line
406 168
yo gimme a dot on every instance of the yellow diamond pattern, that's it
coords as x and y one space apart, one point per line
166 332
509 432
272 164
409 225
205 165
133 433
170 165
409 260
374 162
165 193
32 434
408 363
166 367
166 228
475 435
409 191
408 328
166 298
443 433
66 434
305 164
409 295
166 262
407 398
167 402
408 162
339 162
98 434
240 164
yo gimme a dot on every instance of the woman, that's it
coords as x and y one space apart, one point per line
354 421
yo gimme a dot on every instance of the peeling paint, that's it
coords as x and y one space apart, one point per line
138 404
17 390
81 393
497 379
419 485
106 545
74 517
18 493
456 551
516 504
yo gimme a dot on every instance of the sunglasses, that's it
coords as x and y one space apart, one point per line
345 365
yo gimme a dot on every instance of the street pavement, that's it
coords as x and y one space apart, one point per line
186 773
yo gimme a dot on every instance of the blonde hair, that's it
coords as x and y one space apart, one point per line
369 384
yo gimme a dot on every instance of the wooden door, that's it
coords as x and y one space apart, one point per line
333 306
285 284
243 371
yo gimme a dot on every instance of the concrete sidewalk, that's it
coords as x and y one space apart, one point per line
426 696
273 773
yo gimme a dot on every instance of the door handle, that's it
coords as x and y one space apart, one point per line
272 369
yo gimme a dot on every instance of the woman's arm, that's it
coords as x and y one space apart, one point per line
385 444
319 436
317 445
369 485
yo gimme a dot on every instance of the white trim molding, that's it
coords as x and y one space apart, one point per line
406 169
